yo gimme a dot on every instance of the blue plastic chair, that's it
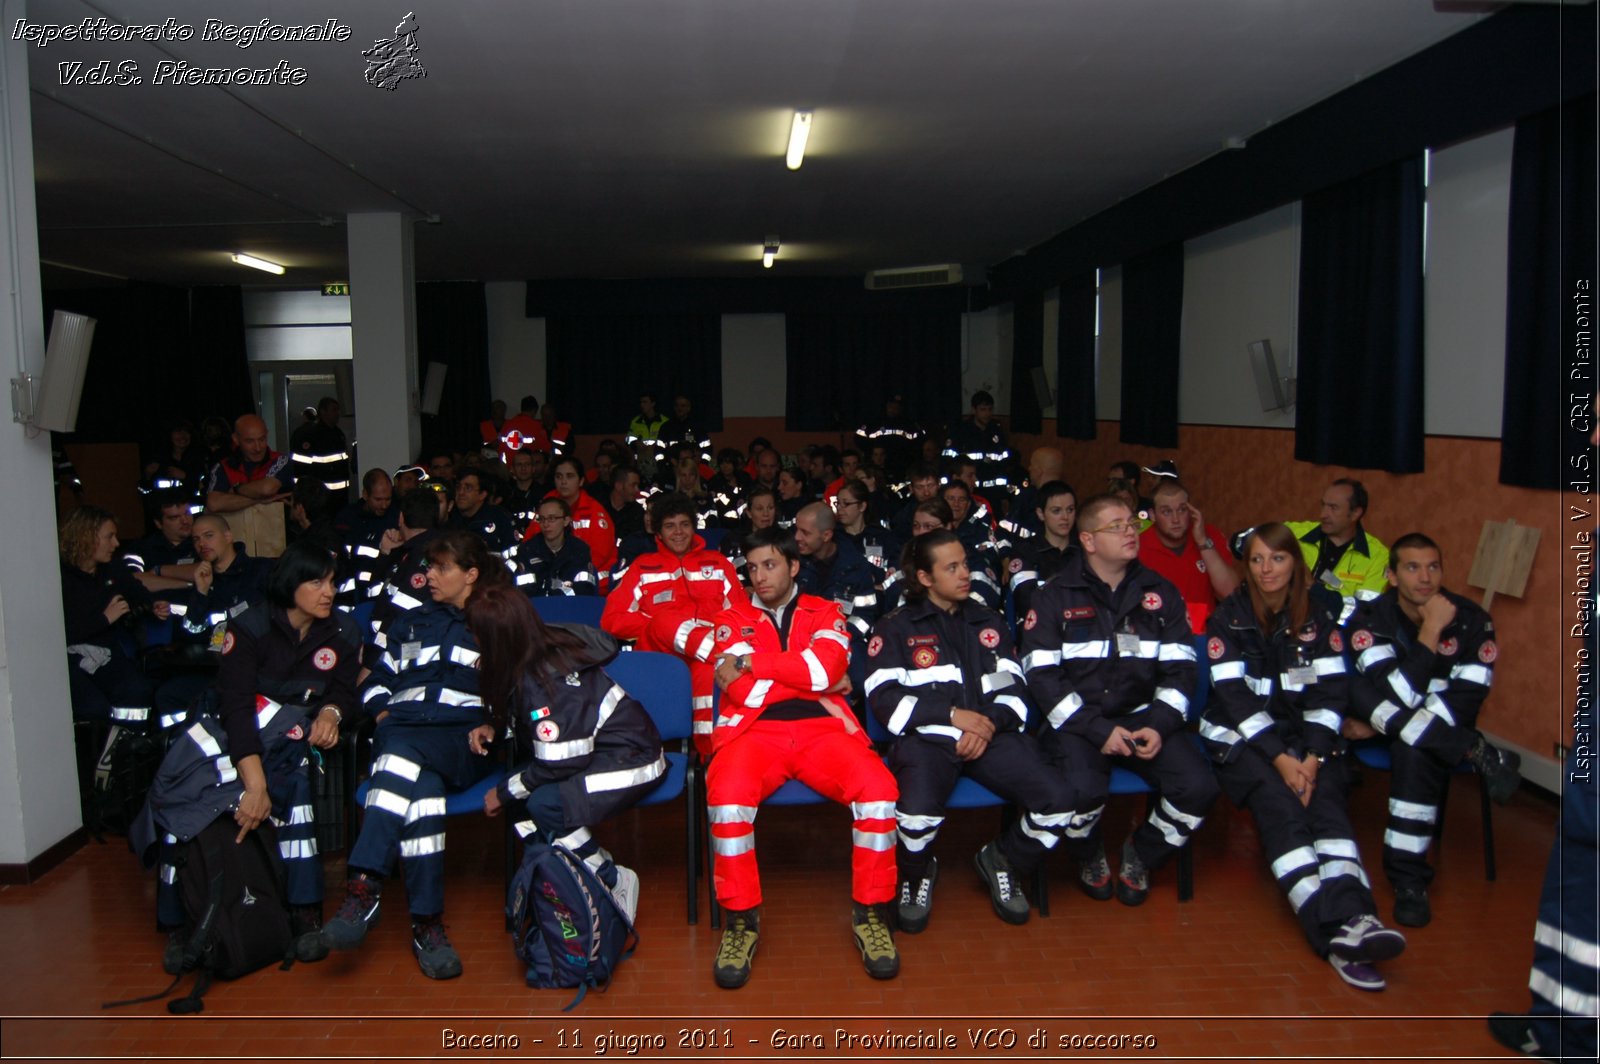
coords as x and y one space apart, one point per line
570 609
660 682
1374 754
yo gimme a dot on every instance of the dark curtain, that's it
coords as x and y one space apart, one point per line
453 328
1075 361
1027 354
1360 363
599 366
218 373
1551 253
1152 318
842 366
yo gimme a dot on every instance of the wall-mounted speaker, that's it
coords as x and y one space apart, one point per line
1273 388
433 388
66 360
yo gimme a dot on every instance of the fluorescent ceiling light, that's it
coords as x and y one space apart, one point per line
259 264
799 132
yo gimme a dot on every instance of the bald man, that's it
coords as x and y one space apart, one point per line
254 473
1021 522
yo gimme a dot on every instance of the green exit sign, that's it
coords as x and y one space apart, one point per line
336 289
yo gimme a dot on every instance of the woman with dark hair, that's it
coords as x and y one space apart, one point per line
877 543
433 737
760 511
1279 689
592 749
944 679
98 598
931 515
178 462
792 495
285 684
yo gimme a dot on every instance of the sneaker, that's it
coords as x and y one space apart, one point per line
1499 769
1364 938
435 956
1094 876
1411 908
875 940
1007 899
358 913
916 900
626 892
1515 1033
1358 974
1133 878
305 926
739 938
172 955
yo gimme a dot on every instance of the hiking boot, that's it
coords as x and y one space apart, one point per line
916 899
626 892
1411 908
1497 767
1515 1033
875 940
1004 894
435 956
305 927
1358 974
732 966
1094 876
172 955
358 913
1364 938
1133 879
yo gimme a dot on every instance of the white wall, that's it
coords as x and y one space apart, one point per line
754 352
516 346
985 334
1469 217
1240 284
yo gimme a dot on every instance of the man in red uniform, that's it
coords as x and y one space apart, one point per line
254 474
781 662
666 593
1183 548
523 431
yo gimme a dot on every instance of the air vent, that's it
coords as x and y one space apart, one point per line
914 277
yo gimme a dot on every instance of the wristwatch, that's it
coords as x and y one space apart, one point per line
1208 544
742 662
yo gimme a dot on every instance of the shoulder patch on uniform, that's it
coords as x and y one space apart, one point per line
1015 565
1336 641
418 580
1449 646
325 659
724 633
1362 640
295 734
1031 620
1151 601
925 657
1488 651
1308 634
227 643
989 637
547 730
875 647
1215 648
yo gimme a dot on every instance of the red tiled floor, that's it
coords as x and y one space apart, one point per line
1225 976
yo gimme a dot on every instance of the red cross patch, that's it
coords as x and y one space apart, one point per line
227 643
1015 565
1336 641
989 638
875 647
418 580
925 657
840 626
1448 647
1362 640
724 633
1214 648
514 440
547 731
1488 652
1031 620
295 733
1151 601
325 659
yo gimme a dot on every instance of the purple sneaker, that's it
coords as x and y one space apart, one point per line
1358 974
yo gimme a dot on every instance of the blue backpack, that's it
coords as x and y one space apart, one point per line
565 925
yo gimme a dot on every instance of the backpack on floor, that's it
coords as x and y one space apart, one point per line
566 926
122 777
235 919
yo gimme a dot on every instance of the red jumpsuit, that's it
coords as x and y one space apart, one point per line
657 603
777 723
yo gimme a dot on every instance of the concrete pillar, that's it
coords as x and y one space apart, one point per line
38 777
383 330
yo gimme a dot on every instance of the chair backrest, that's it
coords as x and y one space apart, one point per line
660 682
713 537
569 609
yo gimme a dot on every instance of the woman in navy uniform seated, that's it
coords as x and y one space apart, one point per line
1279 690
433 737
592 749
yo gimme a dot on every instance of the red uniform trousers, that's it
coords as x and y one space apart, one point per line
818 752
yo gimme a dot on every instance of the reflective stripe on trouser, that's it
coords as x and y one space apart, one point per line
1565 978
1014 767
550 822
703 686
1309 848
116 691
1418 782
415 767
1185 791
818 752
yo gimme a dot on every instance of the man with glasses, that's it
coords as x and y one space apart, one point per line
1109 658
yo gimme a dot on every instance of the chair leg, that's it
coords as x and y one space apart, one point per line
691 857
1041 888
1488 831
511 869
1186 872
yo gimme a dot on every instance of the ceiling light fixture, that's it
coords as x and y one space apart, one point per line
254 263
769 251
799 133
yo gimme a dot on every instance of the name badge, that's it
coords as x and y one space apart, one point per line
662 596
1127 643
1331 580
410 650
1302 675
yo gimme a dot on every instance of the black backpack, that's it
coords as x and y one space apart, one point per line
566 927
235 918
121 779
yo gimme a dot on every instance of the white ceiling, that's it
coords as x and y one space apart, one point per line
629 138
